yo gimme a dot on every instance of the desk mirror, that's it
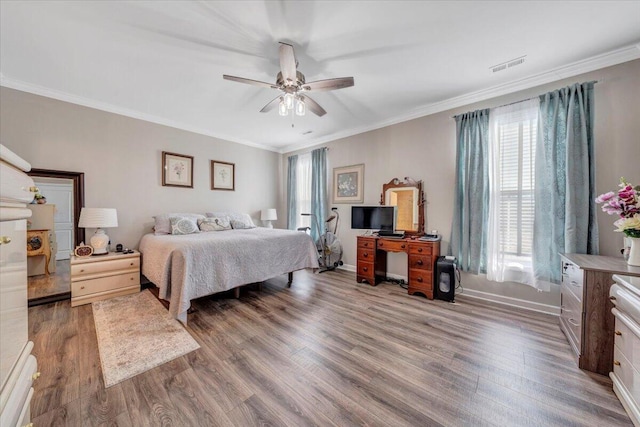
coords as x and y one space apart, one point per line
408 198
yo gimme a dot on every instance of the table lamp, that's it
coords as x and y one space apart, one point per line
98 218
268 215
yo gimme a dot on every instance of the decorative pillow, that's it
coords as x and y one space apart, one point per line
163 224
183 225
234 216
242 225
214 224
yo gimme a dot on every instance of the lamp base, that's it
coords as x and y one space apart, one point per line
99 242
267 224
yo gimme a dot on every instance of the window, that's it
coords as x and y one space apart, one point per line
512 145
303 190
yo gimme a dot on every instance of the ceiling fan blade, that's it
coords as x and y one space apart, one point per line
313 106
288 63
271 105
249 81
329 84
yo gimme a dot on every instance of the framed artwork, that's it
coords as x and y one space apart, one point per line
177 170
348 183
223 175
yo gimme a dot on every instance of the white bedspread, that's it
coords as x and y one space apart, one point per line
195 265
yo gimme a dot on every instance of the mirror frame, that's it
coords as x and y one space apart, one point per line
408 183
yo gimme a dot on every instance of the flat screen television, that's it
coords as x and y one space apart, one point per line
373 217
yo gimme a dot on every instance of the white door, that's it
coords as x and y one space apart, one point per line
61 195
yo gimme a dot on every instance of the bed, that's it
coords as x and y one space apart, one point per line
185 267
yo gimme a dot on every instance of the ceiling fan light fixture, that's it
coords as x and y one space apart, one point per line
301 108
282 108
288 100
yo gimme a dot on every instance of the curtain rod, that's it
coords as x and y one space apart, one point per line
522 100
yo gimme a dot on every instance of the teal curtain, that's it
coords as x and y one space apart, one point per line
292 199
565 212
318 190
471 198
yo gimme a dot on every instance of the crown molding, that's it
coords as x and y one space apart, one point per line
86 102
614 57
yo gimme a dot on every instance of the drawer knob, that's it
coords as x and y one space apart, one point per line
365 254
366 244
419 249
81 287
615 362
131 263
419 279
5 240
574 283
132 278
419 262
618 333
612 298
573 322
403 246
365 269
82 271
35 376
34 190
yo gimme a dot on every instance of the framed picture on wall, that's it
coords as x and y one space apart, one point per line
223 175
348 184
177 170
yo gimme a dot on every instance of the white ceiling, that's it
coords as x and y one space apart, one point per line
163 61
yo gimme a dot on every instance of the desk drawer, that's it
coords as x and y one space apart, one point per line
416 248
420 278
85 287
365 269
92 268
420 262
365 254
392 245
366 242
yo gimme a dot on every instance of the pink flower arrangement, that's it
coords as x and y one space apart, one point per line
625 204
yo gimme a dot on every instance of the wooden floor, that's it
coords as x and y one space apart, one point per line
328 352
45 286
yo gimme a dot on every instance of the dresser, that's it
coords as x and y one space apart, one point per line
101 277
421 258
585 308
18 367
625 296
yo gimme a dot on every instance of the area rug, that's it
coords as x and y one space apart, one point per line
135 334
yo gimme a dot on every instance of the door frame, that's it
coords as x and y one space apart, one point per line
78 194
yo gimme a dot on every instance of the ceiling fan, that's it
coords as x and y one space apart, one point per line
293 87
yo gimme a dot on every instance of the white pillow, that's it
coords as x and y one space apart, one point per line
183 225
240 218
242 225
214 224
163 223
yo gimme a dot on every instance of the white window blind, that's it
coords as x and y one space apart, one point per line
512 143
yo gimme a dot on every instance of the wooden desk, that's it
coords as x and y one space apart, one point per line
38 245
585 308
421 259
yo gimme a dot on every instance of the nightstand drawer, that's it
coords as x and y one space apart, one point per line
102 284
392 246
110 266
420 262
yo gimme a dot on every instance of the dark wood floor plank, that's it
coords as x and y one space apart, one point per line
328 351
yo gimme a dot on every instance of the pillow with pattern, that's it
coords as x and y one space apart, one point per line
242 224
163 224
183 225
214 224
234 216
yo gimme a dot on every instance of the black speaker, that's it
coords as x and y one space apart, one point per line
445 285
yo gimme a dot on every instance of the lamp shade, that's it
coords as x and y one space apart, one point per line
98 218
268 215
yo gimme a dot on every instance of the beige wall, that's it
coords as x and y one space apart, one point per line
424 149
121 158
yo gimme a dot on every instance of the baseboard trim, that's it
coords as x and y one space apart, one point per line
511 302
486 296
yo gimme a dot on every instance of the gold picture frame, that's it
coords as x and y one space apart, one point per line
177 170
223 175
348 184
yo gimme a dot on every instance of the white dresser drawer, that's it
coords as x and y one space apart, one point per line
102 284
625 301
15 185
627 374
627 338
12 412
83 271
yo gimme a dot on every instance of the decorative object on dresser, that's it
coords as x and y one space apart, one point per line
99 278
626 205
18 367
625 295
128 330
223 175
408 197
348 184
268 215
585 308
372 261
177 170
99 218
83 251
38 245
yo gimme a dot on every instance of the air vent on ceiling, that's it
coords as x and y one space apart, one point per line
508 64
307 132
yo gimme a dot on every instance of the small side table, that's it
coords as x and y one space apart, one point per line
101 277
38 245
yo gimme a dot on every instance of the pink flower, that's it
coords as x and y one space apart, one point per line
604 197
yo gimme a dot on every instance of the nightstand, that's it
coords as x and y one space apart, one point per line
96 278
